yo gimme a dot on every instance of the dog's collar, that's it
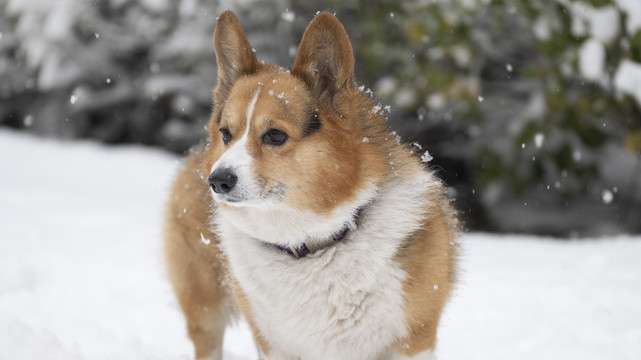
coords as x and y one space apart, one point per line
304 249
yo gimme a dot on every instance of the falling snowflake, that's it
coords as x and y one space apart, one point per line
288 16
576 155
28 120
538 140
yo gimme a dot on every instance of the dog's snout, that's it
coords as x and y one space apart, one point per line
222 181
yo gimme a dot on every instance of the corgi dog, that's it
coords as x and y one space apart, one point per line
306 215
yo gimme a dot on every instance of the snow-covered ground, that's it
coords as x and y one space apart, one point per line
81 273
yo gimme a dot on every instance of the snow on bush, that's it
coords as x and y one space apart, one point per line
628 79
601 25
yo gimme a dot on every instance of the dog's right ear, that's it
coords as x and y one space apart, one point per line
234 55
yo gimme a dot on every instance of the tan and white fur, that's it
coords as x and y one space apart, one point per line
293 156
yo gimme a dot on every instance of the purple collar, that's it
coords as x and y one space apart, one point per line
304 249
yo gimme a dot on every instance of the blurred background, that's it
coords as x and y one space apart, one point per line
531 109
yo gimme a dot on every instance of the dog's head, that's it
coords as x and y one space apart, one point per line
291 139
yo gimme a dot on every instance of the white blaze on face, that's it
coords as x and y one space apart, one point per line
237 159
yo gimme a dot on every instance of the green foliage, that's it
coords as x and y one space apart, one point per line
462 59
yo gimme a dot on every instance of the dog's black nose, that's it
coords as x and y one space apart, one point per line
222 181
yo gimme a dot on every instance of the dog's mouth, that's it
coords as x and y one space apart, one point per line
236 201
239 201
229 199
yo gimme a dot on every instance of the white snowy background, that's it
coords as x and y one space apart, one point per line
81 263
82 276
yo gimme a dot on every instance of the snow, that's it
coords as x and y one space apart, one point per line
386 86
426 157
28 120
602 26
627 79
633 12
434 101
156 5
592 60
605 23
538 140
461 55
405 97
542 28
288 16
531 298
52 21
602 23
204 240
81 272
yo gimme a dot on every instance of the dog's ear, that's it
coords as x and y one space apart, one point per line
234 55
324 59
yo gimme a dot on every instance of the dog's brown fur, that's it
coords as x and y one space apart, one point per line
204 286
196 271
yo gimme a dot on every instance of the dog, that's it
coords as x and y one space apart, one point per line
306 215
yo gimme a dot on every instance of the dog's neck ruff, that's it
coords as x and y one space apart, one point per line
304 249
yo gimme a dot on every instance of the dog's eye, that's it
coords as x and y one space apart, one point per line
274 137
226 135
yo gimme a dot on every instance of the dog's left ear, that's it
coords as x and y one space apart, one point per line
324 59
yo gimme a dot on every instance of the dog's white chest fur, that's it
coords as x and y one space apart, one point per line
343 302
335 304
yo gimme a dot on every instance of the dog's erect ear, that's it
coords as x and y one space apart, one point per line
325 60
234 55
